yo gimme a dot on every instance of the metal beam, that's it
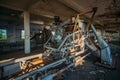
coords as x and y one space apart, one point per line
13 61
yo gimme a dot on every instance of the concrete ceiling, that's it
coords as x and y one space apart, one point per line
107 16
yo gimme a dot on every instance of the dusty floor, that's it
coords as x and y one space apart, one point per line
90 71
20 53
87 71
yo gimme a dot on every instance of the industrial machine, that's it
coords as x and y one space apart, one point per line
70 39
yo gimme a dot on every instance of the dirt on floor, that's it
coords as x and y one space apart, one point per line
85 71
20 53
90 71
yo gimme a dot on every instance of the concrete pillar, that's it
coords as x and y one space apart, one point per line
14 33
27 32
99 31
102 32
119 33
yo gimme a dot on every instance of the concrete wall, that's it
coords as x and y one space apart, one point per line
14 40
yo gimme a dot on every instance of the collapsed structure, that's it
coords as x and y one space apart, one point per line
71 38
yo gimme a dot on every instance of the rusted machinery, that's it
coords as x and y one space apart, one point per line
71 39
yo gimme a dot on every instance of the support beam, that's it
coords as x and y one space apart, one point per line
119 33
11 7
32 3
44 13
99 31
27 31
78 8
75 6
37 22
102 32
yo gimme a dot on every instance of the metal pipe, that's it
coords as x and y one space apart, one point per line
19 60
105 50
65 22
47 66
50 77
54 49
67 38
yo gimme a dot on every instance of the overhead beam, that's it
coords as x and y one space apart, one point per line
75 6
11 7
45 13
113 27
40 18
37 22
108 19
72 4
31 4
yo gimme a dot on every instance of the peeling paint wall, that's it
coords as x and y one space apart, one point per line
14 40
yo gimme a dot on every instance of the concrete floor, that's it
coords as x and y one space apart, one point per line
90 71
19 53
87 71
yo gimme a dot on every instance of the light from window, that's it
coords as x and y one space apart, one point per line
22 34
3 34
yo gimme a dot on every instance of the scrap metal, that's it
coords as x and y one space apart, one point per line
72 38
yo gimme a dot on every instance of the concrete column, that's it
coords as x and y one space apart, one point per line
14 33
119 33
99 32
102 32
27 32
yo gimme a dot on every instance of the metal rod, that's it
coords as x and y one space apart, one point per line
105 50
20 59
47 66
50 77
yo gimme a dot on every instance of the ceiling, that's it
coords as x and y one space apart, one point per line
107 16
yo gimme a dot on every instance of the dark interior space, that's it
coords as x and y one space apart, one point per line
59 40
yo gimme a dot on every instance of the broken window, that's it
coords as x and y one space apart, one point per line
22 34
3 34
